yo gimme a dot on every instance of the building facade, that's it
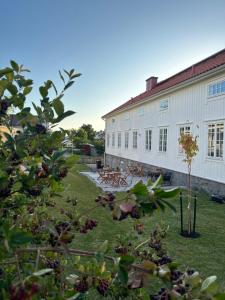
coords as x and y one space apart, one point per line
146 128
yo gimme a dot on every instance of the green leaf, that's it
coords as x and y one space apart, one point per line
209 284
68 85
5 71
18 237
37 108
173 208
27 82
12 89
43 272
27 90
158 182
140 189
60 74
15 66
75 75
104 246
167 193
58 106
122 275
126 260
63 116
43 91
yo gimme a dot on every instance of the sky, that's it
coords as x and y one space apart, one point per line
115 44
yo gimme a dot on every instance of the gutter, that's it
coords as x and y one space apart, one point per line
178 86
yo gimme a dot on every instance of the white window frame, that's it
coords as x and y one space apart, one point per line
185 127
216 88
141 111
126 139
162 106
113 139
164 141
119 138
214 142
148 139
127 116
108 140
135 139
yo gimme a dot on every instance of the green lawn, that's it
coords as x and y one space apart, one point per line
206 253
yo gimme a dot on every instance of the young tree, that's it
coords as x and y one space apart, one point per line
190 148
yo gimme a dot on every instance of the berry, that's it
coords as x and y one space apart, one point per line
3 106
63 226
103 286
139 228
135 213
163 260
121 250
81 286
41 129
63 172
53 264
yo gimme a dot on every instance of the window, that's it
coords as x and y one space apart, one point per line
126 139
163 139
126 116
108 140
113 139
185 129
113 120
141 111
163 104
119 140
135 139
216 89
215 140
148 139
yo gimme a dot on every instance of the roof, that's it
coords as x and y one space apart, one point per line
203 66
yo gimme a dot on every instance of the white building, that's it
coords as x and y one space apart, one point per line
146 128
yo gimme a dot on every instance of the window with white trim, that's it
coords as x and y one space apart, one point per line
148 139
113 139
126 140
163 104
135 139
108 140
119 140
127 116
162 139
215 140
216 89
141 111
184 129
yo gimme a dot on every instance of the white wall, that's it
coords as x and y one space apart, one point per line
187 105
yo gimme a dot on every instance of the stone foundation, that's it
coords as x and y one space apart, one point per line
178 178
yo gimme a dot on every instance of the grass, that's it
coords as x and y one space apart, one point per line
206 253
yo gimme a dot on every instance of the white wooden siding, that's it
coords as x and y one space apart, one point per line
189 105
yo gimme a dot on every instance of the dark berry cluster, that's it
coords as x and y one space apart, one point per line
103 287
40 129
122 250
176 276
24 292
89 225
106 200
63 172
52 264
163 260
163 294
81 285
4 105
139 228
63 229
63 226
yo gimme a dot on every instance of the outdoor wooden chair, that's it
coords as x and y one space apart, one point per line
123 179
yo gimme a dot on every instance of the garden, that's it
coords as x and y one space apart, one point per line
63 238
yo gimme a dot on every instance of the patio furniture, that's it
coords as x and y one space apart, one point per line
123 179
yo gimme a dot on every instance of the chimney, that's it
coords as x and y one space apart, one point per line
151 82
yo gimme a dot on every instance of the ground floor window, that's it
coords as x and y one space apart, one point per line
148 139
135 139
126 139
162 139
119 140
108 140
215 140
184 129
113 139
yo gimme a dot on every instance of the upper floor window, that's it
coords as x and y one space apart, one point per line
108 140
113 139
135 139
113 120
148 139
215 140
216 89
127 116
126 139
141 111
163 139
184 129
119 140
163 104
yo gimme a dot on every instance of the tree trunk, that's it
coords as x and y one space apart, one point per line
189 201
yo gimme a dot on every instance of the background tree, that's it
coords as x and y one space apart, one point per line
90 132
190 148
